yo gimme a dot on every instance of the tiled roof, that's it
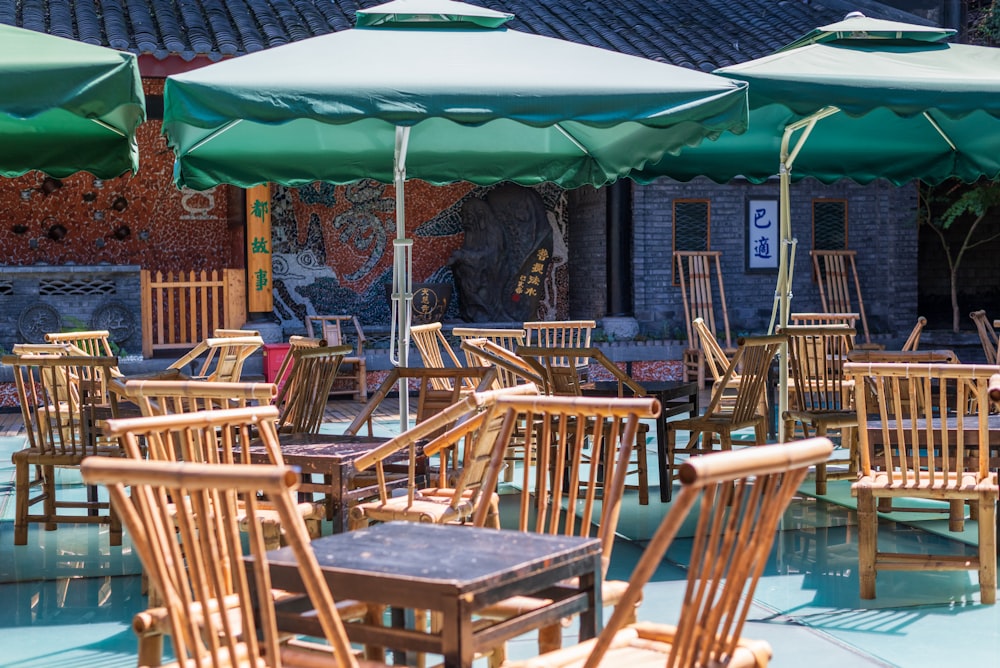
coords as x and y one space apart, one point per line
701 34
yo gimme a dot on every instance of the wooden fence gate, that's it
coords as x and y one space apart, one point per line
179 310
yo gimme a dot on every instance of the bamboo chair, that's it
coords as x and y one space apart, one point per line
987 335
511 368
506 340
913 340
468 427
823 319
430 399
92 343
698 289
436 353
222 357
561 380
305 378
930 448
196 558
836 272
565 492
724 415
61 397
738 498
562 334
354 367
823 400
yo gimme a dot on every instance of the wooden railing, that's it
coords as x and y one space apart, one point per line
179 310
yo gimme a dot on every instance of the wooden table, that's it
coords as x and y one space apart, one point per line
452 570
331 458
676 397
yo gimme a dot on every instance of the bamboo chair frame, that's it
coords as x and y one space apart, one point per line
215 608
224 357
575 486
917 458
725 414
563 380
562 334
436 352
738 498
306 377
90 343
694 270
913 340
987 335
506 338
469 427
501 344
835 272
430 399
61 397
823 399
354 367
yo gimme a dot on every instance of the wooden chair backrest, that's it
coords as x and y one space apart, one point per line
509 339
560 333
101 384
583 446
430 399
331 330
511 368
698 290
170 397
716 358
987 335
435 351
836 274
562 380
751 363
59 397
195 559
816 357
303 395
468 427
738 498
908 398
91 343
913 340
224 357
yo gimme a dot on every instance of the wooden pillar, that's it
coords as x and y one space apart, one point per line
260 295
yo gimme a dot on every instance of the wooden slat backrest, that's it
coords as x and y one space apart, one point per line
715 357
836 274
695 270
913 340
560 333
92 343
907 399
195 559
435 352
511 368
751 362
509 339
583 446
165 397
59 396
816 357
303 396
224 357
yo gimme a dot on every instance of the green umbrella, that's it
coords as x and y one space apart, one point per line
440 91
66 106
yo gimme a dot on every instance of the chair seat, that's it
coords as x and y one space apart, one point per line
832 419
642 645
37 456
949 485
611 593
429 505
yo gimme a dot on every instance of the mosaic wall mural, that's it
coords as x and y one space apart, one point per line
142 219
332 250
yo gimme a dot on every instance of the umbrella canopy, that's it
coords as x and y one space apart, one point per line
440 91
862 99
66 106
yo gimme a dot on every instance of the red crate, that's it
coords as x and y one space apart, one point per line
274 355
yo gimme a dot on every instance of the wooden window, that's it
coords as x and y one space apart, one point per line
692 227
829 224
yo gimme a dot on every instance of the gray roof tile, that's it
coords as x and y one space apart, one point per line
701 34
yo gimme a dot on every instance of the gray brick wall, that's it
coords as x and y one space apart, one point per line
881 227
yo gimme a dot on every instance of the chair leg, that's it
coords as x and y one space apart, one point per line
49 497
987 548
867 542
549 638
820 467
667 485
21 493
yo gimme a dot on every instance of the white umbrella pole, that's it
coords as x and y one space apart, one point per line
402 288
786 258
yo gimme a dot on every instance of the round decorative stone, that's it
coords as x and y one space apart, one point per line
36 321
116 318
